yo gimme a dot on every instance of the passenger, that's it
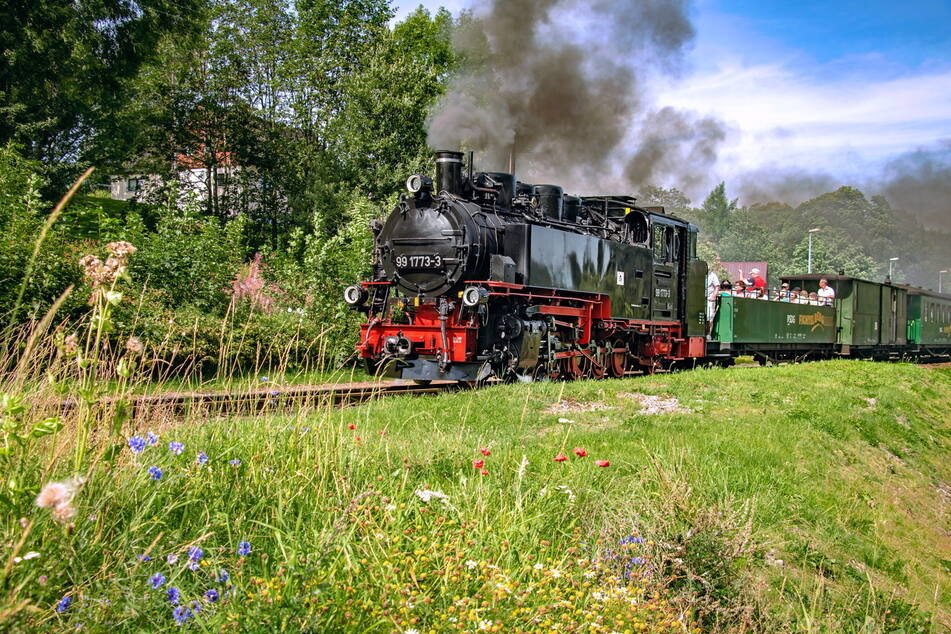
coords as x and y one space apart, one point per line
813 299
739 288
803 297
783 294
726 288
713 289
756 280
826 293
760 293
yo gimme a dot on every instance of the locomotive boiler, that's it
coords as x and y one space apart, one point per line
479 275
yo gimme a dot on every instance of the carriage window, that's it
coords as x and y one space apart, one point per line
660 243
692 245
638 224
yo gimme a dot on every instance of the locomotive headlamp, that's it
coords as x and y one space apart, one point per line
471 296
354 295
419 183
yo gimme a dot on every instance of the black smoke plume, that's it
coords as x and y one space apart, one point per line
574 110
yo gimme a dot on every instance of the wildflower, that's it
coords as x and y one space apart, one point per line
264 379
244 549
211 595
59 496
151 439
173 595
638 561
171 559
602 463
121 248
478 464
561 457
235 462
64 604
202 457
157 580
134 345
471 564
632 540
485 451
71 344
176 447
193 566
580 452
539 566
426 495
155 472
30 555
484 472
196 606
137 444
195 554
181 614
144 558
411 631
223 576
351 426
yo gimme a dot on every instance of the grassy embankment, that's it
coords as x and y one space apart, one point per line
798 498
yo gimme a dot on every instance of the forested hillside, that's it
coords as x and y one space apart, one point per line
257 139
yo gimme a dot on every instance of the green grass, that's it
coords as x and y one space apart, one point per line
782 499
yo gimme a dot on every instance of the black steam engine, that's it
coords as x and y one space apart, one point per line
480 275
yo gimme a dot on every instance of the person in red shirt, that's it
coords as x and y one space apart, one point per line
758 281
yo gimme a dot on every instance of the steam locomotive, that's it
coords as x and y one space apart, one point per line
480 275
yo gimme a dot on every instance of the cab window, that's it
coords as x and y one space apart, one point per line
660 243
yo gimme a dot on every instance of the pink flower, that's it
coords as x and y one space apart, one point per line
484 472
561 457
485 451
59 496
351 426
602 463
478 464
580 452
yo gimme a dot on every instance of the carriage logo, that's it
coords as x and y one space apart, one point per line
816 320
946 330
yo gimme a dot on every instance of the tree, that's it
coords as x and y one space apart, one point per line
717 211
66 70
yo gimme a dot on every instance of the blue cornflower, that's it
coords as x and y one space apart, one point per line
176 447
151 439
174 595
193 565
637 561
64 604
211 595
137 444
244 549
155 472
234 463
171 559
196 606
195 553
632 540
144 558
157 580
223 576
181 614
264 379
275 393
202 457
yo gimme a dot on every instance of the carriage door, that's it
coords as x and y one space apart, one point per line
664 246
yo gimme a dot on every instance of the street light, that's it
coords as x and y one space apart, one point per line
940 273
810 232
891 263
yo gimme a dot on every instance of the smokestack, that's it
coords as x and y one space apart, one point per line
449 171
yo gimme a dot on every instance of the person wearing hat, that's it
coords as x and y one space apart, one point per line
757 280
784 292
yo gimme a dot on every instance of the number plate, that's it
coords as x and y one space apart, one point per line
418 261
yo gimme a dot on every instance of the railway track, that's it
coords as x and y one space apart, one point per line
275 399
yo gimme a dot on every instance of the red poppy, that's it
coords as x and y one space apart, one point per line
485 451
358 439
602 463
561 457
484 472
383 432
478 464
580 452
351 426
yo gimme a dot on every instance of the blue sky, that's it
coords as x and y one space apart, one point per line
840 87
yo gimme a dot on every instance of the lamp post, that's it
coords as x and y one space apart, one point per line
891 263
940 273
810 232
